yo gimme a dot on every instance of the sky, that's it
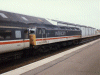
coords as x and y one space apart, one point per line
83 12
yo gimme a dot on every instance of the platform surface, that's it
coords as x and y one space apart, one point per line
82 60
85 61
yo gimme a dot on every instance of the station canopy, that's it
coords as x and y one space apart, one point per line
14 17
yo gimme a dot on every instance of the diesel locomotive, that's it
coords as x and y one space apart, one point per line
43 35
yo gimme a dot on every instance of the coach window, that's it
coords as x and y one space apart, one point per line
26 34
5 34
18 34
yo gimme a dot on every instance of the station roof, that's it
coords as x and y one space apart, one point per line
15 17
67 23
63 22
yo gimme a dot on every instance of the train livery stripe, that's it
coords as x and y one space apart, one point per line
55 38
12 42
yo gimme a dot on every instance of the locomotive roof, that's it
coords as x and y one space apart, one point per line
15 17
51 27
42 25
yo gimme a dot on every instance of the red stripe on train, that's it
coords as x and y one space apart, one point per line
55 38
12 42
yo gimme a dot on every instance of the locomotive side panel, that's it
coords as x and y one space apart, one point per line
53 36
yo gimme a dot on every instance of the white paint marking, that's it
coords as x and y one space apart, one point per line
34 65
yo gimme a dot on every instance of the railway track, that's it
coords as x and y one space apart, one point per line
13 64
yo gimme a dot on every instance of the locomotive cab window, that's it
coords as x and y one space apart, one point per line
5 34
43 31
32 32
39 31
77 28
72 29
62 27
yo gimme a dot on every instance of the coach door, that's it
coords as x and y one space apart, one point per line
19 39
26 38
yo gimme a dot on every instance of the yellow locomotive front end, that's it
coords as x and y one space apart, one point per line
32 37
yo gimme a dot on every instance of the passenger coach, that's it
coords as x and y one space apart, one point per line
13 38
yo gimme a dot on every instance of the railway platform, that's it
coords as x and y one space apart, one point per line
82 60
